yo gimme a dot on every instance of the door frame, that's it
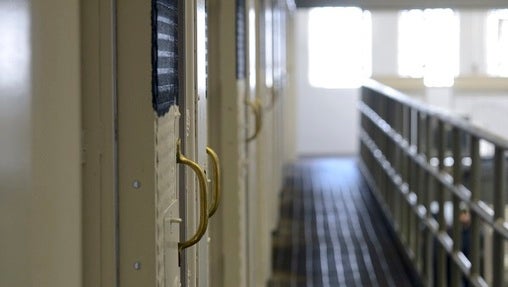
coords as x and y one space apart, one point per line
99 143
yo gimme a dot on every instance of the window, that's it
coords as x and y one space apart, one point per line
497 43
339 47
428 46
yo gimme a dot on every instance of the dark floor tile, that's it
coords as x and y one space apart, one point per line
334 233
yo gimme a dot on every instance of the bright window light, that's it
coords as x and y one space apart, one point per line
428 46
497 43
411 44
339 47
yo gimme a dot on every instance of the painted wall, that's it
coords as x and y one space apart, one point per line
15 143
40 135
56 144
488 110
327 120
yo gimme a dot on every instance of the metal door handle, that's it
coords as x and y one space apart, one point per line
203 215
216 178
256 107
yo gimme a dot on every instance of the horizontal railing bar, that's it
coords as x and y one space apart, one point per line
384 206
463 263
430 223
478 281
485 213
438 113
446 241
416 155
499 226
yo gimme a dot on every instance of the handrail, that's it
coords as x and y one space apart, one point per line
484 212
399 141
436 112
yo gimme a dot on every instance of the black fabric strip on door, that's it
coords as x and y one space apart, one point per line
164 55
241 61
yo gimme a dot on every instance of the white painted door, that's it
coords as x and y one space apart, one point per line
162 210
201 130
195 135
226 104
148 131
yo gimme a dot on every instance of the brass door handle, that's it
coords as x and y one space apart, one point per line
256 107
203 214
216 178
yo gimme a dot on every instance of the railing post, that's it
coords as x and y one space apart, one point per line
475 196
499 206
384 146
457 225
398 165
420 139
410 183
423 134
429 194
390 153
387 150
404 173
441 254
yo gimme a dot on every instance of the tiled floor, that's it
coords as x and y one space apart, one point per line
331 231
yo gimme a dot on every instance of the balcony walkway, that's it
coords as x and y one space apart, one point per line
332 232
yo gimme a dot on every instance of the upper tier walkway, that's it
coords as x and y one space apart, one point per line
332 231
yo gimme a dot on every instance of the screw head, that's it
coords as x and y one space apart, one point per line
136 184
137 265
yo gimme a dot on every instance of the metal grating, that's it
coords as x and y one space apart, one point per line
164 55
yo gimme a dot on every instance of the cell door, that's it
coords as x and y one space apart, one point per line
194 134
162 155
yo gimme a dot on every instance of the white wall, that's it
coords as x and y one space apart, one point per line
384 43
15 138
327 119
40 223
56 144
472 54
485 105
488 110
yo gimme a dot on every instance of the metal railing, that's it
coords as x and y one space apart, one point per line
421 163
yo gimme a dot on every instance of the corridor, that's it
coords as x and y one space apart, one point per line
172 143
332 232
